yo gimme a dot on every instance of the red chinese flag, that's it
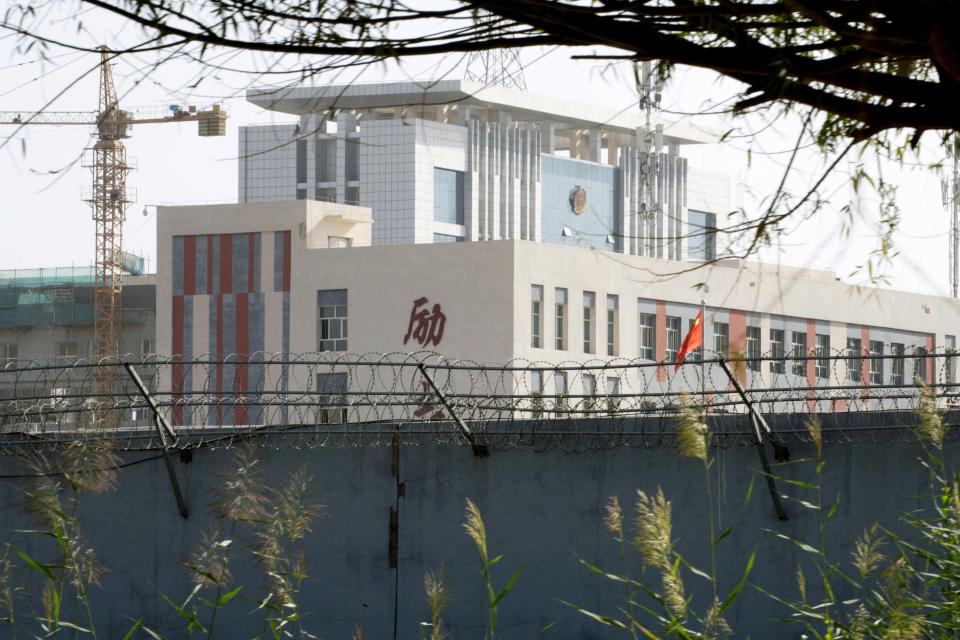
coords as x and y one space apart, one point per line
693 340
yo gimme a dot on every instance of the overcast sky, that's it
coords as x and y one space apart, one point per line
46 224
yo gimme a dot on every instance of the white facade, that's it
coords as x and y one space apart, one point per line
536 303
515 161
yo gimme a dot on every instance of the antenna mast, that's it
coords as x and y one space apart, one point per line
950 188
496 66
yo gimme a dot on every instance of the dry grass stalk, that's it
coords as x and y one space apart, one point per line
816 434
613 521
931 428
866 556
439 594
243 495
476 530
692 433
209 564
653 541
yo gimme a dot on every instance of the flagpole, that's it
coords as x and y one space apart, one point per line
703 356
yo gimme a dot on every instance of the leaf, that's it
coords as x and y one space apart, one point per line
546 628
227 597
44 569
595 569
736 590
802 545
506 589
607 620
136 625
184 613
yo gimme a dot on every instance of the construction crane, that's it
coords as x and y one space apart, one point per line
108 198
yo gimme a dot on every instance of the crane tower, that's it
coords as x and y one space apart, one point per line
109 199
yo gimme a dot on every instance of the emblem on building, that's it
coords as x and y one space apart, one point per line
578 199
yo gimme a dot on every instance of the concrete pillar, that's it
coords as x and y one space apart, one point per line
595 140
548 133
463 114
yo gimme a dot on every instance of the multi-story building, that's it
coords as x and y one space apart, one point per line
456 160
261 280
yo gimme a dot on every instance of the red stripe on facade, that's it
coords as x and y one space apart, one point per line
189 265
286 260
661 339
209 266
931 362
177 369
251 285
226 263
811 349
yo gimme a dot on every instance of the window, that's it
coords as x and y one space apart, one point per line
326 194
753 348
919 364
560 307
589 392
613 329
332 388
648 334
876 362
301 194
854 361
447 195
721 339
613 394
798 349
536 316
351 160
326 158
560 393
701 235
589 311
777 365
66 349
339 242
821 368
441 238
301 162
332 320
536 391
8 354
673 338
146 346
351 195
896 364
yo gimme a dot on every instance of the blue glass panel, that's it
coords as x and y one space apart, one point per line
601 184
447 195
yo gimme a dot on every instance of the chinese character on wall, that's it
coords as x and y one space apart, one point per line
426 327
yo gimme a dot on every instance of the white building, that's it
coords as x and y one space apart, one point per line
255 279
455 160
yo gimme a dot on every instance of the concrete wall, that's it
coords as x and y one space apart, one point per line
541 508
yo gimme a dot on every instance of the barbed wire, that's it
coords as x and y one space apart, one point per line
328 399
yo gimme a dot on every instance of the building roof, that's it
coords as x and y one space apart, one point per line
522 105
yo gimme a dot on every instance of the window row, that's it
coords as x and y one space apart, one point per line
590 401
862 364
561 318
